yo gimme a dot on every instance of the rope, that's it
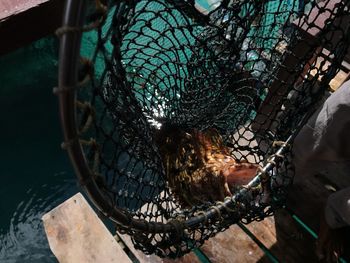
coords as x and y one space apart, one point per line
100 11
280 144
67 144
179 227
204 214
87 71
218 212
88 116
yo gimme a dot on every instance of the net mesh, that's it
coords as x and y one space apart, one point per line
173 94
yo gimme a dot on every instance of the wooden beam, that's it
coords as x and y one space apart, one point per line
284 238
143 258
24 21
288 74
76 234
233 246
9 8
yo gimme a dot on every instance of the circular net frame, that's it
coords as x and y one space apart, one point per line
248 69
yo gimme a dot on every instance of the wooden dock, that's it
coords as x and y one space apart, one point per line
76 234
24 21
288 236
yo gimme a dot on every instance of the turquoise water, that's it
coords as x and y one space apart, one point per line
35 173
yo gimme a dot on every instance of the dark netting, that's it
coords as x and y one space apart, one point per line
177 105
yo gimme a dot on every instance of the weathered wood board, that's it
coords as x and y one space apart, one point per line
9 8
230 246
24 21
76 234
285 239
233 246
339 78
143 258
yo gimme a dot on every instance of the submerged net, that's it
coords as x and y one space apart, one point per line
156 75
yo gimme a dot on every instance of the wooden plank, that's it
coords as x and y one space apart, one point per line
143 258
286 77
231 246
286 239
339 78
23 21
9 8
190 257
309 28
76 234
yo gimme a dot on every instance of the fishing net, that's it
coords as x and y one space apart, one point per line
149 89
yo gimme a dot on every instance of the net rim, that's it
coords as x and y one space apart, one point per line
69 51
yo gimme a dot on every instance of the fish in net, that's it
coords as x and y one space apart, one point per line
199 167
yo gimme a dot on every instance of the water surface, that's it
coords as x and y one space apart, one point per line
35 173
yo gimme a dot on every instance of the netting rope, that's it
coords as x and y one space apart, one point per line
179 116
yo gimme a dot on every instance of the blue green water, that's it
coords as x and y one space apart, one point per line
35 173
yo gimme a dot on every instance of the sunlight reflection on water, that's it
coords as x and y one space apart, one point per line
24 240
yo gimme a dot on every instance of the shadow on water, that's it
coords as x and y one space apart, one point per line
35 173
